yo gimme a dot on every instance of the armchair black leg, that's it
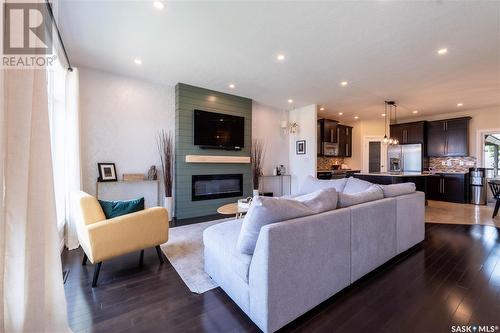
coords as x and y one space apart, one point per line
158 252
96 274
84 262
497 206
141 258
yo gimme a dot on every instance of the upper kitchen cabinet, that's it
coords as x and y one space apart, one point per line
344 137
338 137
409 133
448 138
328 130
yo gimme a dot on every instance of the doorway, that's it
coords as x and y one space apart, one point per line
374 154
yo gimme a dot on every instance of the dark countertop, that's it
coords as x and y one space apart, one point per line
409 174
339 171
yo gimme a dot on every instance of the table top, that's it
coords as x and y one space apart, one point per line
231 209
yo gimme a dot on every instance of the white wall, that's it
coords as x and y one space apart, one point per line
361 129
119 120
303 165
266 122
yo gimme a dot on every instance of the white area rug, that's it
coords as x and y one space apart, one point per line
184 250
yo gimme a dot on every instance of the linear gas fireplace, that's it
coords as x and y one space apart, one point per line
206 187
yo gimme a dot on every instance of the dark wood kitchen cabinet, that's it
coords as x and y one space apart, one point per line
450 187
435 138
328 130
448 138
409 133
344 137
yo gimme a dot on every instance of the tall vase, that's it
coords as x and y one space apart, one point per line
167 203
255 192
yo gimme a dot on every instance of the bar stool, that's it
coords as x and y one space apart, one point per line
495 189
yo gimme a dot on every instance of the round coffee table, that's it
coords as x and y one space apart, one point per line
232 209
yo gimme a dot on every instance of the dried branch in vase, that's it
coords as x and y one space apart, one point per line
257 158
165 145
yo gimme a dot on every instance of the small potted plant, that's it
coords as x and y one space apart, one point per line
257 158
165 145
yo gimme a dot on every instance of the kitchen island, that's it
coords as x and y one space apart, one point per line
443 186
394 178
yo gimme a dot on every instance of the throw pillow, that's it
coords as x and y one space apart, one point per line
267 210
118 208
395 190
355 185
374 192
312 184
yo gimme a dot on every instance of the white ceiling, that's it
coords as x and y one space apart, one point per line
384 49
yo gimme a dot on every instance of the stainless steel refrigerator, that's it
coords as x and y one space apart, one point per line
405 158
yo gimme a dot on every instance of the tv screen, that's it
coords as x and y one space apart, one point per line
217 130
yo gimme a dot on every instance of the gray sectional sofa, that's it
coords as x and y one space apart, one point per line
299 263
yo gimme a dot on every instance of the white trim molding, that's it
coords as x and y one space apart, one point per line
365 152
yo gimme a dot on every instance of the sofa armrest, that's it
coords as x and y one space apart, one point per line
127 233
296 265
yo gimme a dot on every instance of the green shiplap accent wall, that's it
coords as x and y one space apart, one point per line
187 99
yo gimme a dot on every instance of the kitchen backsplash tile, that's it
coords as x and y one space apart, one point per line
325 163
452 164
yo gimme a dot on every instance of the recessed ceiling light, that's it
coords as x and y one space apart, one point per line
290 101
158 5
443 51
340 113
460 104
322 109
383 114
138 61
344 83
231 86
280 57
356 117
415 111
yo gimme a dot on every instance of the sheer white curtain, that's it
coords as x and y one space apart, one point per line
30 266
73 168
64 120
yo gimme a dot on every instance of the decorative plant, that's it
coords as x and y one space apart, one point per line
165 145
257 157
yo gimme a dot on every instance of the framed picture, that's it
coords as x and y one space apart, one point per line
301 147
107 172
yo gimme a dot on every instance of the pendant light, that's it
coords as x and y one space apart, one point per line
391 105
386 140
395 140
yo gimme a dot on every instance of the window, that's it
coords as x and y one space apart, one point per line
492 152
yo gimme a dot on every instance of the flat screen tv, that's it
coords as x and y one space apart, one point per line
219 131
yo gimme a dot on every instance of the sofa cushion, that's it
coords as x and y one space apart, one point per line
372 193
312 184
118 208
395 190
267 210
355 185
221 240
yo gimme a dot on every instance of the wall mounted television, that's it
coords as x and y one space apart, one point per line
218 131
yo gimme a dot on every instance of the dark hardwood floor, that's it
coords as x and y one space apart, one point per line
452 278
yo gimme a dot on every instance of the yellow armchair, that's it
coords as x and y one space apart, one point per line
103 239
